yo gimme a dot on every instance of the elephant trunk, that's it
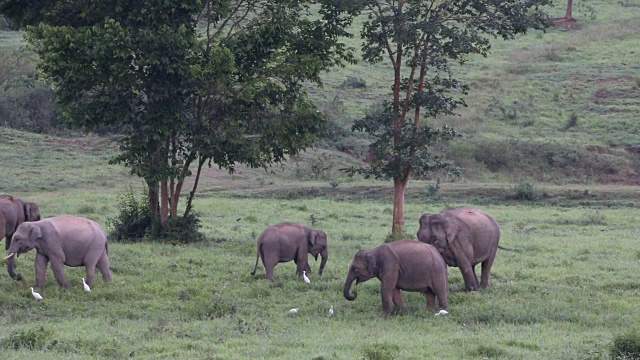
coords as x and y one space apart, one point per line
11 267
347 287
325 255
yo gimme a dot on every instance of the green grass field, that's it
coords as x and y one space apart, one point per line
570 288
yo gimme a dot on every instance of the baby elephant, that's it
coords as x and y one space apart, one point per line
63 240
401 265
289 241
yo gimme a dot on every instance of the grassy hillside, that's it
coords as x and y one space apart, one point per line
558 107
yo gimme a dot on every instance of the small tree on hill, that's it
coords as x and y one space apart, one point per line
422 40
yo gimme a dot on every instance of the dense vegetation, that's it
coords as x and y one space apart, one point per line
551 125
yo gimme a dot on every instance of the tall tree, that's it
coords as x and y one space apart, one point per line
192 81
422 40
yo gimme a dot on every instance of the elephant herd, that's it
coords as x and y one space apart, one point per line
59 241
462 237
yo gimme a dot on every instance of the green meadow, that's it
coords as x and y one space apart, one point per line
569 288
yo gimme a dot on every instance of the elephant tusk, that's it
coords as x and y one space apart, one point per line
8 256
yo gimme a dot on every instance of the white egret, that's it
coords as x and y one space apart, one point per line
85 286
442 312
36 295
293 311
305 277
331 311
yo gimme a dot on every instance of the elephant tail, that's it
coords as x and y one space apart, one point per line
255 267
508 249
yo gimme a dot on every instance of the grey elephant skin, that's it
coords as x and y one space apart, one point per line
464 237
291 241
13 212
401 265
63 240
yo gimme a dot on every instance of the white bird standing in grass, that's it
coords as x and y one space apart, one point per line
442 312
85 286
36 295
305 277
331 311
293 311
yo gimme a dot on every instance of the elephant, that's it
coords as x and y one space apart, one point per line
401 265
63 240
465 237
13 212
290 241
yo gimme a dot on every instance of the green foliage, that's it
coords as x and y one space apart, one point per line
354 82
572 121
391 237
381 352
134 223
526 192
29 339
539 158
179 230
133 220
626 346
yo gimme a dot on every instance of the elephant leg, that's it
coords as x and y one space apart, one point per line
470 279
90 267
397 298
41 270
103 266
475 275
302 264
7 243
57 267
431 299
269 261
486 270
387 294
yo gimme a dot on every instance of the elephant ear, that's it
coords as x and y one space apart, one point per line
451 230
424 220
313 235
372 264
35 233
26 209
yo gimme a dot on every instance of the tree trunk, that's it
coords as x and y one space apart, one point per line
195 186
164 203
153 198
569 9
399 187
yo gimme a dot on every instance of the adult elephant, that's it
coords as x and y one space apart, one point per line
13 212
63 240
401 265
290 241
464 237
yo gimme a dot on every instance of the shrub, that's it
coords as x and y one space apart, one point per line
134 223
181 229
31 339
403 235
133 220
626 346
381 352
572 121
354 83
525 191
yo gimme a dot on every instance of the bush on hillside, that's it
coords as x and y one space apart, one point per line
547 160
626 346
